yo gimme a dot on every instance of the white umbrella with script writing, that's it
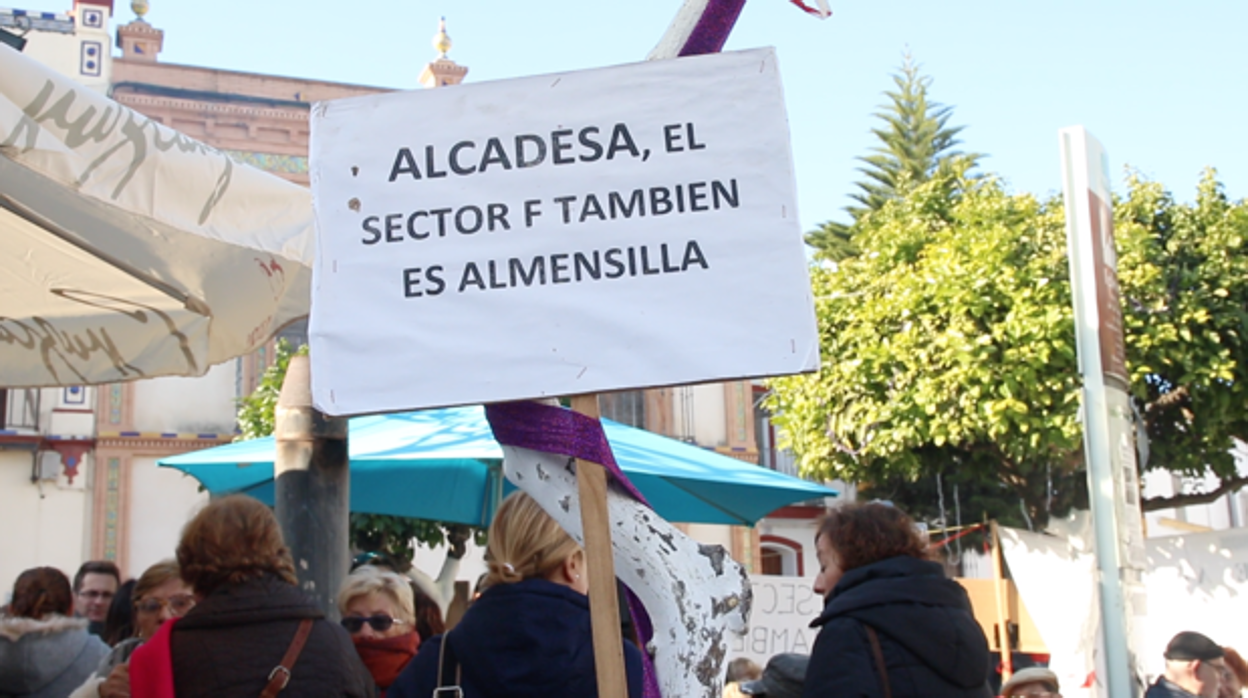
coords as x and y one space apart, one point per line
127 249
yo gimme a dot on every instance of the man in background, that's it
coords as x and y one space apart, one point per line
783 678
1032 682
95 584
1194 666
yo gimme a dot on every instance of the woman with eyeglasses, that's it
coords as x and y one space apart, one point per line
159 595
252 630
378 610
528 636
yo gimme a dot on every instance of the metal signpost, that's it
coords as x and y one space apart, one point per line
1108 432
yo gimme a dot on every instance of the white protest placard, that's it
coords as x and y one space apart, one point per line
780 618
616 228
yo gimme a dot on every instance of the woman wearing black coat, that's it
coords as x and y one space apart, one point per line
248 615
877 580
528 635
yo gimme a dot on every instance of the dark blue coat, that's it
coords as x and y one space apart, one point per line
1164 688
531 638
932 645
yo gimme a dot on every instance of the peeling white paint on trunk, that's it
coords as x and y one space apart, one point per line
697 596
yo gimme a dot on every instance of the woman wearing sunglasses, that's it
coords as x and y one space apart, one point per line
378 610
159 594
528 636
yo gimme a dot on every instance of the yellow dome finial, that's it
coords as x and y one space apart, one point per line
140 8
442 42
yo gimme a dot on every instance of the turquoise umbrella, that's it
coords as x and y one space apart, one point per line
445 465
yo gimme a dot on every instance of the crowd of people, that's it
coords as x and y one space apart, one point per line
225 617
894 626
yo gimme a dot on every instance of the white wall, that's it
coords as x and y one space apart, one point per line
1226 512
161 502
68 423
471 567
710 422
85 55
801 531
712 534
42 524
202 405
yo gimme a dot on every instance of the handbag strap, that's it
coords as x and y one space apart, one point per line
446 653
280 676
878 654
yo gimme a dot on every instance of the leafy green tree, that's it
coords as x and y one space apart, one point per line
1183 276
392 535
256 411
916 144
948 348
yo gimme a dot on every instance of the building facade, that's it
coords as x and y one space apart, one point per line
78 465
78 470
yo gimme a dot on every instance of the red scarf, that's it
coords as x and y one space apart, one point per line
386 657
151 665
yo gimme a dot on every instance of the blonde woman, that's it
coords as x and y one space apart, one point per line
528 634
378 610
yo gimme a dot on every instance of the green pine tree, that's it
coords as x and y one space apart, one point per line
916 144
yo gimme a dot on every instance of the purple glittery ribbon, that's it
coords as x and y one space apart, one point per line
539 427
550 429
713 27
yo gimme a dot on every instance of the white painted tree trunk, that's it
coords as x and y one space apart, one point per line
697 596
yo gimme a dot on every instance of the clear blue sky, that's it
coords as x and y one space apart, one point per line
1161 84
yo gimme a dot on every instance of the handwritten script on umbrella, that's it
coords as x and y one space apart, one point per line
137 134
69 348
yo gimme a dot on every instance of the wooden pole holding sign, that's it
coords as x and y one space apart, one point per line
604 610
1003 606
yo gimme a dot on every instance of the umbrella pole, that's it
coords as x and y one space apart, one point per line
312 488
604 608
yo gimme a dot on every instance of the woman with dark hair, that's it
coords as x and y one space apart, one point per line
893 623
119 623
1234 675
45 653
250 619
428 613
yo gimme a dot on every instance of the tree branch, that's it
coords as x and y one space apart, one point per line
1170 399
1184 500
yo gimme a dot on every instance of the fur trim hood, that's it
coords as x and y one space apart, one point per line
14 628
